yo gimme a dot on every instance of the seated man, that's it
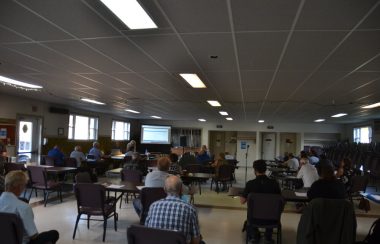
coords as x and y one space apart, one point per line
308 173
15 182
328 186
262 184
95 151
57 155
179 215
78 155
292 162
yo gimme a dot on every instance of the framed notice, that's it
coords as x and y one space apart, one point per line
3 133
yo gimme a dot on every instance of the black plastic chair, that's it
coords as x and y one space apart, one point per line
264 211
130 175
11 228
148 196
91 200
224 174
358 184
137 234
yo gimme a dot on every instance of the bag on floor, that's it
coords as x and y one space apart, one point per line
364 205
373 236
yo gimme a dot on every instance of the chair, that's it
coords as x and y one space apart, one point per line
91 200
264 211
193 168
70 162
13 166
39 181
49 161
149 195
130 175
358 184
83 177
223 175
137 234
327 221
11 228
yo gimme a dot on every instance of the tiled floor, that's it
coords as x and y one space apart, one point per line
218 225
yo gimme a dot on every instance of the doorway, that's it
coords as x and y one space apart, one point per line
28 139
269 146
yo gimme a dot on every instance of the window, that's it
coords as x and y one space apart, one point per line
363 134
120 130
83 127
193 136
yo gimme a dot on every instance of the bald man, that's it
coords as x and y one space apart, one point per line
15 182
179 215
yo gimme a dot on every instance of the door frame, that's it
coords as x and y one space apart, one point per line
40 123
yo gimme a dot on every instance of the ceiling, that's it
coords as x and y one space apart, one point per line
281 61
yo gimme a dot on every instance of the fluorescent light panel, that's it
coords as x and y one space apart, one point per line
223 113
193 80
319 120
92 101
372 105
229 118
156 117
338 115
18 83
214 103
261 121
202 120
132 111
130 13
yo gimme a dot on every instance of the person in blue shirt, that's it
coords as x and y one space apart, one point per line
203 156
57 155
95 151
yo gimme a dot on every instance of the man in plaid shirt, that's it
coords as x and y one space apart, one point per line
172 213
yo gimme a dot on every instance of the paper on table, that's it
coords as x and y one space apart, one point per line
376 197
115 186
301 194
140 187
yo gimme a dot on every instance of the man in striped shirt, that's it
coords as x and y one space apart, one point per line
172 213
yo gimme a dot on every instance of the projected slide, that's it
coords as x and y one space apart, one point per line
155 134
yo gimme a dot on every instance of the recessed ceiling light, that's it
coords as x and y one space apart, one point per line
223 113
132 111
214 103
156 117
92 101
229 118
18 84
338 115
193 80
261 121
319 120
130 13
202 120
372 105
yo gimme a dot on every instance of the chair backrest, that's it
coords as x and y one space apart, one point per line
149 195
70 162
131 175
264 206
11 228
127 159
137 234
193 168
13 166
358 183
49 161
225 171
328 221
90 195
83 177
37 175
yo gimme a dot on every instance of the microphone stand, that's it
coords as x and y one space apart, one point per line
246 164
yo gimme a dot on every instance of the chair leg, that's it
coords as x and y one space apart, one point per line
88 221
76 225
46 197
30 195
104 228
121 199
115 217
212 180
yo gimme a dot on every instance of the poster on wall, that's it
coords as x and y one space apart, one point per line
3 133
243 145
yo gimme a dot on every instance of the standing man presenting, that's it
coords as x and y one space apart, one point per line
15 182
262 184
